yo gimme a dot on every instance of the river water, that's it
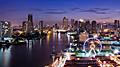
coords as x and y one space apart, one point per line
35 54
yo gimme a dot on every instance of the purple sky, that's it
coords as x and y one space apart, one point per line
52 11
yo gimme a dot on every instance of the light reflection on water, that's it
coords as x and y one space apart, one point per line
35 54
5 55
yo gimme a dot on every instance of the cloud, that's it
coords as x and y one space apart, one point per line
19 10
92 10
96 10
106 18
75 9
11 10
52 9
35 9
116 11
55 12
42 11
101 9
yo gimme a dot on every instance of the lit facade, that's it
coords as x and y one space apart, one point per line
24 26
65 23
5 29
41 26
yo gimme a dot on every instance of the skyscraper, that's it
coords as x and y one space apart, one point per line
30 23
116 24
76 25
65 23
72 22
30 18
87 26
5 29
56 26
41 26
94 24
24 26
81 25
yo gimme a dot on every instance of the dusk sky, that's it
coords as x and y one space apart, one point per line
52 11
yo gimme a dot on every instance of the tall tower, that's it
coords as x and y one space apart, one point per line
88 26
30 23
116 24
24 26
72 22
76 25
41 26
94 24
65 23
30 18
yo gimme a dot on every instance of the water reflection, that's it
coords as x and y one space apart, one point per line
34 54
29 45
48 39
5 54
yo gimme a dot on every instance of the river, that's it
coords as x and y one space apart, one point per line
35 54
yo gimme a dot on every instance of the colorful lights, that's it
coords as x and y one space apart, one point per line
81 20
93 48
105 30
68 56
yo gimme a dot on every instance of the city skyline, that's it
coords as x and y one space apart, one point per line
16 11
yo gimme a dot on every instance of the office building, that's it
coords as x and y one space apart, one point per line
116 24
24 26
41 26
94 24
65 23
30 23
5 29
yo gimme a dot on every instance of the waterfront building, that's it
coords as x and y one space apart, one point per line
30 23
5 29
116 24
65 23
24 26
41 26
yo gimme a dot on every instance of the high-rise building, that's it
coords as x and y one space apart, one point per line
88 26
41 26
5 29
30 18
116 24
94 24
82 25
56 26
30 23
76 25
99 26
65 23
72 22
24 26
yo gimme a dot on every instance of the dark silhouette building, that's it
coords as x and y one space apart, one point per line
94 24
41 26
116 24
30 23
65 23
24 26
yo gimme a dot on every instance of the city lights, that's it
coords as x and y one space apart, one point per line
59 33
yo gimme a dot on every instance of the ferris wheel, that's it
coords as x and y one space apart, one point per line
92 46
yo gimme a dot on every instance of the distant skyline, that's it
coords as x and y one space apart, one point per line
53 11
